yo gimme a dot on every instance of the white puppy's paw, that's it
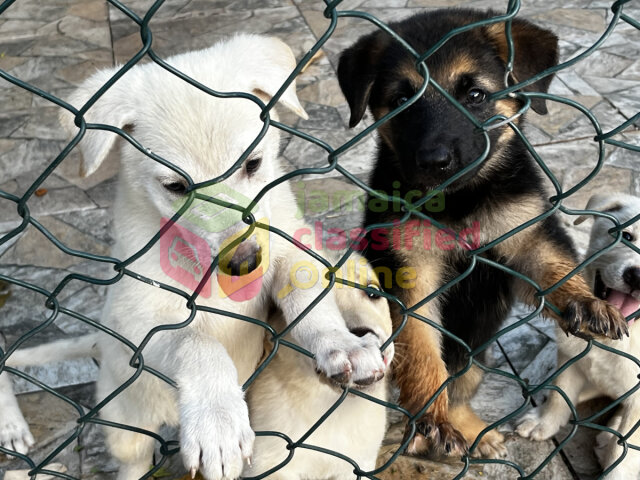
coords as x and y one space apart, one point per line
216 437
14 431
537 426
348 359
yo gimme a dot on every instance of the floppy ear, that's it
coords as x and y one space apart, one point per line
113 108
276 64
535 50
602 202
357 72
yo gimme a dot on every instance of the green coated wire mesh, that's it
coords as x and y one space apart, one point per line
125 266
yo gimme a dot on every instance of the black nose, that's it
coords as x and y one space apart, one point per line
436 157
245 260
631 277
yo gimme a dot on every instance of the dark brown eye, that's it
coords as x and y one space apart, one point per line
252 165
400 101
175 187
375 287
628 236
476 96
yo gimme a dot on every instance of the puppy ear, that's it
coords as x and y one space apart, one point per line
602 202
535 50
112 108
357 72
277 64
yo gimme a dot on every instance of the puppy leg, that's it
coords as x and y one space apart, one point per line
14 431
215 434
543 422
607 449
584 314
464 419
491 444
420 371
134 451
419 374
340 355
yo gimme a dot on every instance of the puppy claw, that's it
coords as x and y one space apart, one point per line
593 318
439 438
193 472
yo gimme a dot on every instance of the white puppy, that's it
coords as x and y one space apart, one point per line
288 397
211 354
614 276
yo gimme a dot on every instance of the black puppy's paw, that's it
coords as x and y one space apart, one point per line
593 318
435 438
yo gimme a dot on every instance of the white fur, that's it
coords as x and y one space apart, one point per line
288 397
14 431
600 372
214 355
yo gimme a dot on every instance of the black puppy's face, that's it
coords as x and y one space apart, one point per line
432 139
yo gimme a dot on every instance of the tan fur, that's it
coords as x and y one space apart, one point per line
470 426
421 341
288 396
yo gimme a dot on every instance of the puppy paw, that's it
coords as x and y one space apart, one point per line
349 360
437 438
594 318
537 427
216 438
14 432
491 446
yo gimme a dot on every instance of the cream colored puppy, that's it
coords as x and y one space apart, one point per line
614 276
289 397
207 353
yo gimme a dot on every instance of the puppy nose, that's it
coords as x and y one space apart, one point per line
433 157
631 277
246 259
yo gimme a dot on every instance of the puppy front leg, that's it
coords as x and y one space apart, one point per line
14 431
340 355
584 315
215 435
420 371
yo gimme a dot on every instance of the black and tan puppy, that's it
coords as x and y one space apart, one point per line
418 150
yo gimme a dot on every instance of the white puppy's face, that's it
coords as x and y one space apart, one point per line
201 135
616 273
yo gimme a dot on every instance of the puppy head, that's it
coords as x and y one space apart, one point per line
615 275
431 138
364 313
199 134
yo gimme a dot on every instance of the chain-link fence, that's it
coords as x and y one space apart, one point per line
125 267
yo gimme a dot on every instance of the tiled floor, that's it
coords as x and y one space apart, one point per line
55 44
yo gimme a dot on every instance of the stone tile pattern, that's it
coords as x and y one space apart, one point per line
55 46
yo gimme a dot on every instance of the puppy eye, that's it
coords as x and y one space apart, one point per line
375 287
175 187
400 100
628 236
476 96
252 165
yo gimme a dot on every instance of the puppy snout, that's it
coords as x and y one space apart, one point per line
246 259
631 277
435 158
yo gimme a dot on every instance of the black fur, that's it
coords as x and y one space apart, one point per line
373 73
